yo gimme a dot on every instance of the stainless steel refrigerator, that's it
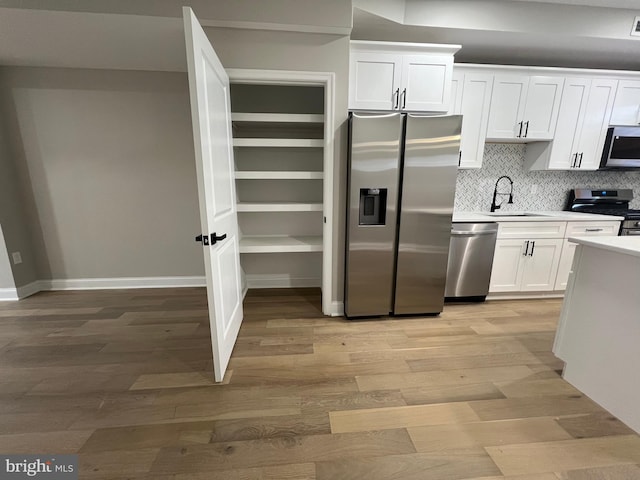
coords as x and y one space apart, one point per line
401 188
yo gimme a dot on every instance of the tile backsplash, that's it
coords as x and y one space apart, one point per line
474 188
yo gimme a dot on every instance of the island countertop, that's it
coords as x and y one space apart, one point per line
627 245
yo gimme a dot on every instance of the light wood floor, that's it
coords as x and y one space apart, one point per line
123 378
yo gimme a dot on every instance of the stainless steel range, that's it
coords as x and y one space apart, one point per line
607 202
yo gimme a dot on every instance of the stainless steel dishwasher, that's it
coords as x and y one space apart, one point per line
470 260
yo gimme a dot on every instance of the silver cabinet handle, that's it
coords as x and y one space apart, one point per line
397 95
526 248
580 161
526 130
520 131
404 98
593 229
533 245
575 159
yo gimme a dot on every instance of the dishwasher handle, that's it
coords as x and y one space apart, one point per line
463 233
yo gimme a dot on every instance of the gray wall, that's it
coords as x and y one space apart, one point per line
6 276
532 190
298 51
14 220
106 160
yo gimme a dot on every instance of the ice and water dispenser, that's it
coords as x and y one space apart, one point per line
373 206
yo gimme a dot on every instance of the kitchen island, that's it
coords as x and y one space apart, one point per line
599 328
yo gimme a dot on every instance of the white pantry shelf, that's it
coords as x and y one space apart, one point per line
279 207
278 175
278 142
280 243
277 118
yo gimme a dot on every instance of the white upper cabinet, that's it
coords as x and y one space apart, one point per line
524 108
582 123
374 81
626 109
400 76
471 94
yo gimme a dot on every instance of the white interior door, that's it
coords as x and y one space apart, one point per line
211 117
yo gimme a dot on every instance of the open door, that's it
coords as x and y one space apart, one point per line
211 118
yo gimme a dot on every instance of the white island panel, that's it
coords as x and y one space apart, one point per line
599 327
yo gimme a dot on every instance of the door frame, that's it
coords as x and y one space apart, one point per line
328 81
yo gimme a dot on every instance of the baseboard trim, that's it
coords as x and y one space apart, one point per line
281 281
524 295
8 295
121 283
336 309
30 289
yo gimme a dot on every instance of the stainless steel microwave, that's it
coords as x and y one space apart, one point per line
621 148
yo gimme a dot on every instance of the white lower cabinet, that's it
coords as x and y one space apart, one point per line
605 228
525 265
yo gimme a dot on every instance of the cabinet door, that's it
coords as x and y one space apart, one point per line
541 265
456 93
426 82
374 81
564 151
507 106
476 97
506 272
596 121
564 266
626 109
541 107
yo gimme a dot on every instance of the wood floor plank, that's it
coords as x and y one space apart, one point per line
463 436
563 455
598 424
62 442
450 393
176 380
270 427
540 406
615 472
408 467
448 377
531 388
400 417
278 451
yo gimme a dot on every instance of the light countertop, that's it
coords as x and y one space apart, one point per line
628 245
549 216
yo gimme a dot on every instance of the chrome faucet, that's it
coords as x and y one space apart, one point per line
495 207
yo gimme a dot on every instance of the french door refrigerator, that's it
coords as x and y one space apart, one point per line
401 188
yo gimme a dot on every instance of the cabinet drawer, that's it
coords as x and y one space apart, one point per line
592 228
529 230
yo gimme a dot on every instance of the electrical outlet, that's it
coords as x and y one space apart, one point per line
17 258
534 188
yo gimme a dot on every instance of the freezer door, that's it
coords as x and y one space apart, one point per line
426 207
374 161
